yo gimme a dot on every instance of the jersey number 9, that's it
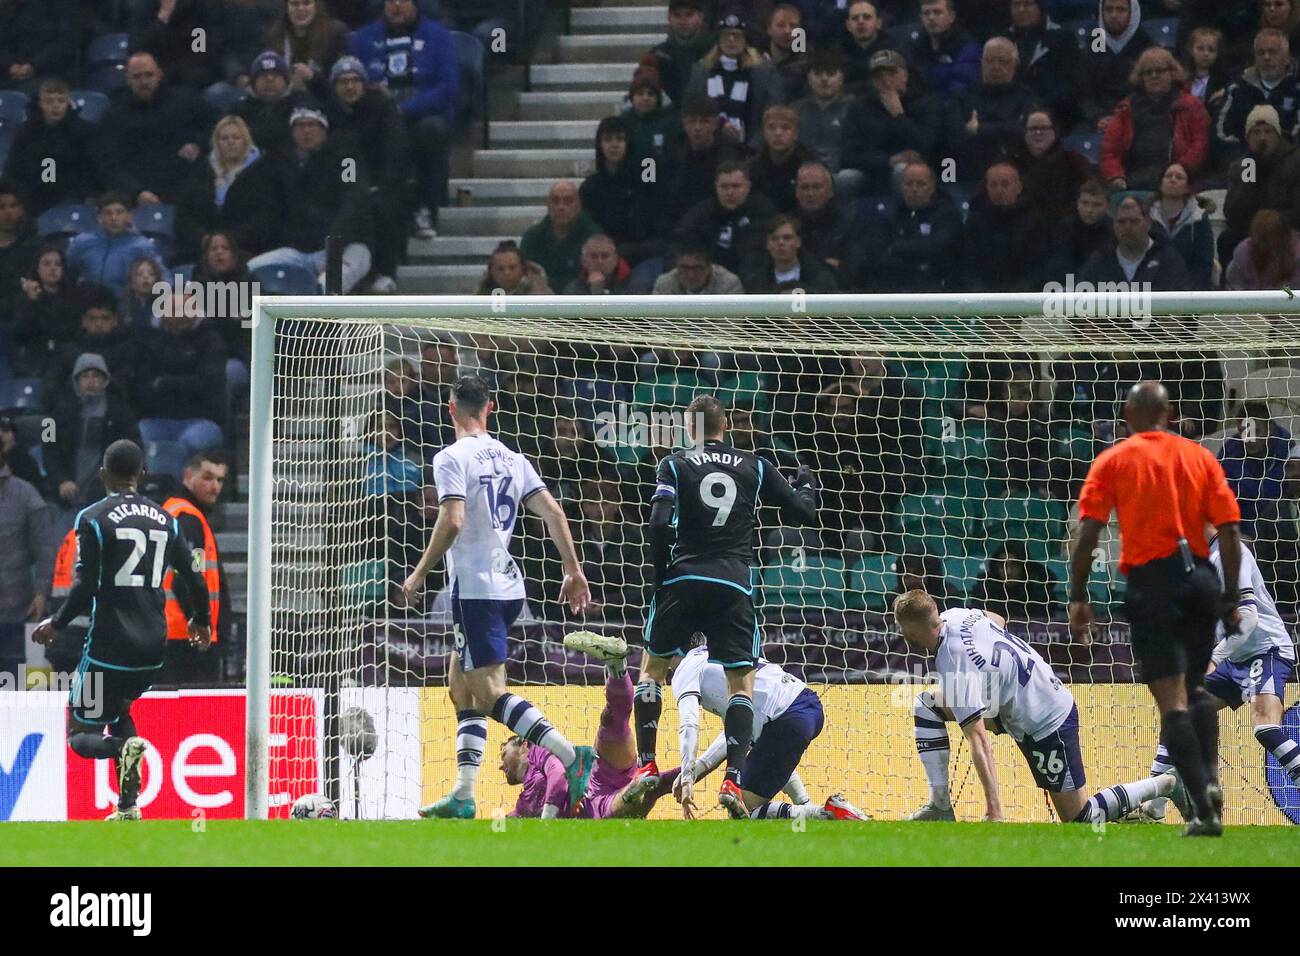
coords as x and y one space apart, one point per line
718 491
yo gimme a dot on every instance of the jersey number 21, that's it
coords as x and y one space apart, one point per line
126 576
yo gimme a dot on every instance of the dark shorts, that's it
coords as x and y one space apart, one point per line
1172 616
723 612
1239 682
1054 760
779 748
103 695
480 627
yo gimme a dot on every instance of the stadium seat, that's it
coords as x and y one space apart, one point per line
286 280
111 48
1076 443
107 78
1163 31
157 220
8 130
872 207
13 106
67 220
165 458
364 582
940 524
1087 145
222 96
91 105
800 581
1082 30
473 86
960 198
1036 523
907 33
642 279
24 393
965 457
872 580
961 571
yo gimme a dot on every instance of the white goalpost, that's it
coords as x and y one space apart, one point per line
948 434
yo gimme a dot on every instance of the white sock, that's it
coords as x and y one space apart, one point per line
932 746
778 811
796 791
1161 765
1116 801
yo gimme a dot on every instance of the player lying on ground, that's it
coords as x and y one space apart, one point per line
125 543
1251 666
788 716
709 497
612 792
985 672
481 485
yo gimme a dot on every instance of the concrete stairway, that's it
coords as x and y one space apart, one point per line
536 136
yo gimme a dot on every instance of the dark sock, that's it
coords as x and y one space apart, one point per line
1205 718
94 746
1179 736
646 708
738 725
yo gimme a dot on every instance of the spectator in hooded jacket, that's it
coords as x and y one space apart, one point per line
654 128
555 243
945 54
232 191
987 120
412 56
1049 60
772 172
149 137
786 266
1160 123
38 39
88 417
697 160
180 390
314 201
732 221
734 75
53 131
617 198
687 42
46 313
1178 217
104 255
604 271
1108 73
919 238
887 128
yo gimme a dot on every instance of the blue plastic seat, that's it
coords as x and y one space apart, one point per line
107 78
13 105
91 104
1163 30
1082 30
22 393
157 220
286 280
222 96
109 49
165 458
66 220
1087 145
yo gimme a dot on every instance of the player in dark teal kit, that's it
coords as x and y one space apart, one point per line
702 519
125 543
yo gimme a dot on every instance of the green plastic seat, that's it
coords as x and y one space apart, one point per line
961 572
805 581
871 582
1037 524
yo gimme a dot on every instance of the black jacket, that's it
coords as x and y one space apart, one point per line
172 43
268 120
775 179
857 74
1001 112
118 349
373 130
70 144
815 277
623 206
1073 243
248 213
1050 66
1106 76
828 232
61 452
1162 267
182 375
691 176
1002 248
313 201
42 33
139 141
735 235
872 135
918 248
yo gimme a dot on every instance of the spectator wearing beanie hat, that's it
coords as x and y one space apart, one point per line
1274 185
687 41
270 101
654 129
735 76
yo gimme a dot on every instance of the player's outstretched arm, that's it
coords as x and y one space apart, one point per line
85 584
446 528
797 500
575 589
981 750
1081 558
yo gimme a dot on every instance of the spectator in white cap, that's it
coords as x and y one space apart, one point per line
315 200
1274 184
365 122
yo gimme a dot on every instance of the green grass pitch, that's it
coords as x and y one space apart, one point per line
628 843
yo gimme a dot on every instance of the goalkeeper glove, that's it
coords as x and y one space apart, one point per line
803 478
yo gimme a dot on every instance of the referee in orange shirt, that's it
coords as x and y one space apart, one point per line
1165 489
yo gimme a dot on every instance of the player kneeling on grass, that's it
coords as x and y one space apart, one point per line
984 671
612 791
1251 666
788 717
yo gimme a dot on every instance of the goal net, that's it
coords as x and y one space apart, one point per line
948 436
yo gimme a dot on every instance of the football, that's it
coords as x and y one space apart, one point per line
313 806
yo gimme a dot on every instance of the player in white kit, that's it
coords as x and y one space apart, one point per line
990 679
1250 667
481 486
788 716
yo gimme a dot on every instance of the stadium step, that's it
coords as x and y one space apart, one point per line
453 250
545 134
605 47
488 220
567 105
557 163
583 76
502 192
621 19
440 280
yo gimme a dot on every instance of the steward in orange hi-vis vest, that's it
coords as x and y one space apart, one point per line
206 563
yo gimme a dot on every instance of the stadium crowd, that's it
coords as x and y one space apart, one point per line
891 146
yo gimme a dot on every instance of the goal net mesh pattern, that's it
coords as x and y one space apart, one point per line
948 453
